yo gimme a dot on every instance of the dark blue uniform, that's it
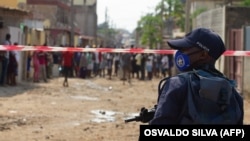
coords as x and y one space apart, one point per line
171 101
173 97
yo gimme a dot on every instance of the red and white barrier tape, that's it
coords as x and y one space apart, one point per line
112 50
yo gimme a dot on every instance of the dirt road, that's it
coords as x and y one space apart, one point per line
87 110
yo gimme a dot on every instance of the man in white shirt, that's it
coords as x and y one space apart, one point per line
164 65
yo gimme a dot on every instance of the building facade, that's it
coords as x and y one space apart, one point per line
11 18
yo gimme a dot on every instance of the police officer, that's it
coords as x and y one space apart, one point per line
198 50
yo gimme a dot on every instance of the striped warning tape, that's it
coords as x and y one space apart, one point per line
112 50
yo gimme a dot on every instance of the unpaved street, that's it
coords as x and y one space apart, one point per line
87 110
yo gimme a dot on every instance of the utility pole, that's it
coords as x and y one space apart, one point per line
72 23
187 19
85 17
106 27
162 24
95 30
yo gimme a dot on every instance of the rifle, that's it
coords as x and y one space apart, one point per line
145 115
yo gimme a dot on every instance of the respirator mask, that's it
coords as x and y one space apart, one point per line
182 61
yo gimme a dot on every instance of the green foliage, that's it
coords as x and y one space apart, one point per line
102 28
246 3
172 9
151 26
107 32
148 27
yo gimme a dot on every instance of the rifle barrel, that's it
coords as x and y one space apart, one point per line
132 119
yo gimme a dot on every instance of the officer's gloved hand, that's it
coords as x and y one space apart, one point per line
146 115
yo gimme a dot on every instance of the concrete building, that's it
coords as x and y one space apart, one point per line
9 3
11 19
86 21
61 20
193 6
56 18
232 24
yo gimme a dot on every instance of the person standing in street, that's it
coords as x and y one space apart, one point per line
126 67
42 61
36 66
164 65
12 69
5 61
67 63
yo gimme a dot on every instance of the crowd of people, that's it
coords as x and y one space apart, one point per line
84 65
8 64
104 64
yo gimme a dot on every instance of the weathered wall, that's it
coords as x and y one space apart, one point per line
223 20
86 19
9 3
246 80
213 19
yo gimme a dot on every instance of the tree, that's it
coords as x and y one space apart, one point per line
172 10
168 14
148 28
107 33
246 3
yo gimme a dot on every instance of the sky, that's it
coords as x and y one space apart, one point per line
124 13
